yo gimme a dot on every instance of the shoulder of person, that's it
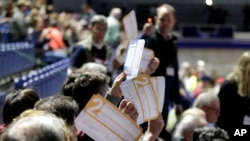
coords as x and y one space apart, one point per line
86 43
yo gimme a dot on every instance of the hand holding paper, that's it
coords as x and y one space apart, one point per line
97 121
140 91
129 109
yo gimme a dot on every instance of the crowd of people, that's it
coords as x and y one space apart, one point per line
206 108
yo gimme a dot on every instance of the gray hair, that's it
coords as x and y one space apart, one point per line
205 99
101 19
91 66
187 125
36 128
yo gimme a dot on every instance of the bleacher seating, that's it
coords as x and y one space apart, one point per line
207 31
16 57
4 32
46 81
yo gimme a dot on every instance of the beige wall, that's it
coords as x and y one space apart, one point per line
221 60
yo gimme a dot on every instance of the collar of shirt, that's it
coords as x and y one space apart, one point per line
98 46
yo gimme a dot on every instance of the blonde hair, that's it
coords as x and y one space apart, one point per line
240 75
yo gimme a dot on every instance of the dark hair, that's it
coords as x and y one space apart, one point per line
210 134
69 80
84 86
18 101
62 106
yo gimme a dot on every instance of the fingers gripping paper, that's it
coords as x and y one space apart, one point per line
147 55
97 121
133 58
140 91
159 87
130 25
147 93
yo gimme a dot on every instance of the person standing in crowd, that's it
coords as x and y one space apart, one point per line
112 36
88 14
93 48
234 97
18 23
162 42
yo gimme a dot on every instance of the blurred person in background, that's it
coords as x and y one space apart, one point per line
88 14
210 104
162 42
234 97
188 78
112 36
206 84
93 48
55 48
18 23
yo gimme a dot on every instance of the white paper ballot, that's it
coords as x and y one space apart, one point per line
147 55
102 121
140 91
246 120
130 25
133 58
159 88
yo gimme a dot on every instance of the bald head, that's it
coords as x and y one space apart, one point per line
165 8
116 12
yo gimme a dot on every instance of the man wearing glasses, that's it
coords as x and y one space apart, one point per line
210 104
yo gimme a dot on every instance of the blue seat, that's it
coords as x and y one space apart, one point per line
2 99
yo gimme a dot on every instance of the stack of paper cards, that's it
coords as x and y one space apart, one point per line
137 59
102 121
146 94
147 55
133 58
130 25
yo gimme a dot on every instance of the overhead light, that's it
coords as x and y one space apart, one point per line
209 2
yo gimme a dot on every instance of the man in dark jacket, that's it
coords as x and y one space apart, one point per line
162 42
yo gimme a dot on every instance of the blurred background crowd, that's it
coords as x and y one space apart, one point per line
41 45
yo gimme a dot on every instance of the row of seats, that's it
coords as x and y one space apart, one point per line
46 81
5 32
16 57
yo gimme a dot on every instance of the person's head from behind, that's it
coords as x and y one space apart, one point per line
116 13
185 128
92 66
165 18
35 125
98 28
85 86
22 5
198 113
210 134
207 82
241 75
18 101
62 106
210 104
